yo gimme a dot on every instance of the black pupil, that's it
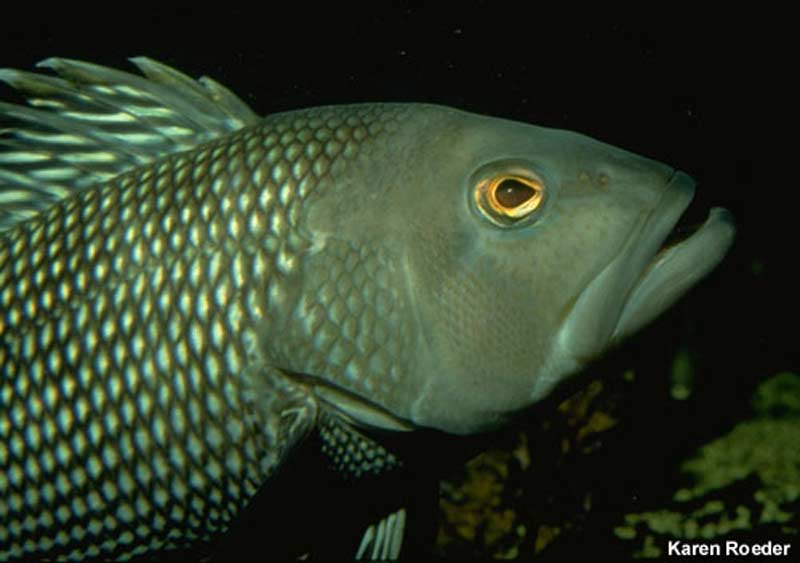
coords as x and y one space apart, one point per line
513 193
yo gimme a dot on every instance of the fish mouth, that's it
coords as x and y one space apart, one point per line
682 256
652 270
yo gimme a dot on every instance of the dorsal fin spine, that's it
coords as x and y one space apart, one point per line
90 123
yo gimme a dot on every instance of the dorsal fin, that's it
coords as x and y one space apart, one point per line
90 123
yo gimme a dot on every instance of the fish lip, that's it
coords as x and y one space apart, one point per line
666 272
676 197
643 279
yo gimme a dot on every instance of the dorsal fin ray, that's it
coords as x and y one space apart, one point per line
90 123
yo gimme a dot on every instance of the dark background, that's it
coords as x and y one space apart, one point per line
710 95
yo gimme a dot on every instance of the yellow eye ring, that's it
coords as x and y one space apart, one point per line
514 196
507 198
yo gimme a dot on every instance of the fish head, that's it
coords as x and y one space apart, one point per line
522 254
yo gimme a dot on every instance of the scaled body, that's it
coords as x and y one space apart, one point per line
186 289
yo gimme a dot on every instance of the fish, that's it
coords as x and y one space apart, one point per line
192 294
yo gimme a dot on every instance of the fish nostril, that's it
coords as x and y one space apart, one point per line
594 179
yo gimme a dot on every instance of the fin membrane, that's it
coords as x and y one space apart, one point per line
89 123
383 541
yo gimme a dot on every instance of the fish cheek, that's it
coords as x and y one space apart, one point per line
482 339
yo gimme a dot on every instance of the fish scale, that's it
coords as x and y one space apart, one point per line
129 314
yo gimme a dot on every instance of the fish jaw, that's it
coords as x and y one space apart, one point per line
644 279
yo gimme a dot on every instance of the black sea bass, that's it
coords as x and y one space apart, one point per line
188 291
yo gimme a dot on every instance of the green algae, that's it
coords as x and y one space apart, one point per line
780 396
759 456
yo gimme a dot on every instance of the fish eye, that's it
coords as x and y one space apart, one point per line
506 199
514 195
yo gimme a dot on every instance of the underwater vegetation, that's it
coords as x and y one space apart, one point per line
531 496
743 484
